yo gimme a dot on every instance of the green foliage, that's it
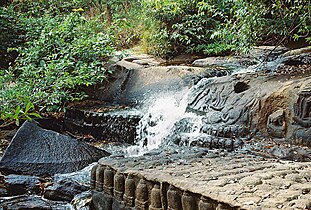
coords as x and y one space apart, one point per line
62 54
124 19
183 26
11 35
225 26
20 114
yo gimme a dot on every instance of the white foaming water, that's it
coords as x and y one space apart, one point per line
158 122
270 65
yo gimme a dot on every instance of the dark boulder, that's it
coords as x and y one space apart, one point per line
19 184
41 152
65 190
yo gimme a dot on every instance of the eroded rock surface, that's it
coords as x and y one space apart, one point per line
115 125
197 180
36 151
244 105
137 78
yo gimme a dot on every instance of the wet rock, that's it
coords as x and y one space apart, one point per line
19 184
232 62
64 190
27 202
82 201
83 177
36 151
133 83
298 51
239 106
112 125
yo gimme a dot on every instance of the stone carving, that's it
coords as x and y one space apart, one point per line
187 201
155 197
108 181
276 125
129 193
302 117
99 178
226 109
205 204
141 201
223 104
303 108
119 186
141 194
173 199
93 177
239 107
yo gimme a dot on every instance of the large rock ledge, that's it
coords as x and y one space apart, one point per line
201 180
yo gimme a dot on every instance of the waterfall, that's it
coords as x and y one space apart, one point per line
161 115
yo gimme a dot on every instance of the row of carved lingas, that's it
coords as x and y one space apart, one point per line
136 194
228 131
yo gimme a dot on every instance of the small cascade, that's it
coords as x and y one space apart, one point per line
158 122
262 65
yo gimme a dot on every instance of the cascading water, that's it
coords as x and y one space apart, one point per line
158 122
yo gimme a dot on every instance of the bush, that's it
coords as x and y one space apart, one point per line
124 19
62 53
11 35
183 26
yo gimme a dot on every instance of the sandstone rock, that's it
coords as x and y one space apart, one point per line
36 151
229 181
276 124
232 62
247 104
298 51
133 83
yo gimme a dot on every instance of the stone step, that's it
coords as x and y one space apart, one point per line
113 126
183 180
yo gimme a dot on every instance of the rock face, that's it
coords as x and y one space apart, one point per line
19 184
114 126
137 78
247 117
244 105
36 151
